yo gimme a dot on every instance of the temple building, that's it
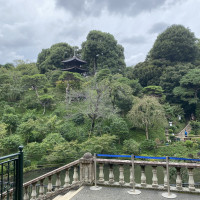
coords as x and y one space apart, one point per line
74 64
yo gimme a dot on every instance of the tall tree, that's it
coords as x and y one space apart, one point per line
171 78
101 51
50 59
176 43
146 113
189 89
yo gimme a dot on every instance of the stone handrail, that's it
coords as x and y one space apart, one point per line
111 179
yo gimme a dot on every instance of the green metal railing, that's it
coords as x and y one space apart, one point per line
11 176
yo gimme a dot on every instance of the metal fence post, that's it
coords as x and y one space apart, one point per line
20 174
168 194
133 191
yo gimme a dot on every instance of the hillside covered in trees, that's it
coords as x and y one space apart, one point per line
58 116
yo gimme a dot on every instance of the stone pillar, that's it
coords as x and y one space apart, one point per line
121 175
101 174
58 182
178 179
154 178
191 179
75 176
49 186
111 174
26 196
87 169
67 179
143 176
165 176
33 194
41 190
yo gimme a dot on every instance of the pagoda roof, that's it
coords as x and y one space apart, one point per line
75 69
74 60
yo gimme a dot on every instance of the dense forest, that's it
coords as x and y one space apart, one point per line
58 116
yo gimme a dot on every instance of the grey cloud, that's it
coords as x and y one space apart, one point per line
138 39
95 7
158 27
73 31
16 35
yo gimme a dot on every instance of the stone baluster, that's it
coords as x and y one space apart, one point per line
178 179
58 182
121 175
191 179
81 171
101 174
143 176
154 178
49 186
75 176
90 175
86 174
67 179
26 196
131 176
41 190
165 177
33 193
111 175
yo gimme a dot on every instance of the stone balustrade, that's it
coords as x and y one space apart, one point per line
59 180
113 180
50 184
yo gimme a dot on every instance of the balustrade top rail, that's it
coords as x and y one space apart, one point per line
148 157
172 164
151 163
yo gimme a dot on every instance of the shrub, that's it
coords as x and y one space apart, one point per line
188 143
148 145
78 119
130 147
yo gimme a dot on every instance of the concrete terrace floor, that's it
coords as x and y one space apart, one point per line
114 193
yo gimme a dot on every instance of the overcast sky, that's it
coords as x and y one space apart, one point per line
28 26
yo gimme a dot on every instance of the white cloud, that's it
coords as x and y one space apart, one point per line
27 27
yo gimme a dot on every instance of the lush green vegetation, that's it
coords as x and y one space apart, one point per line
58 116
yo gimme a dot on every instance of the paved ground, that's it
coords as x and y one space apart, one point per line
112 193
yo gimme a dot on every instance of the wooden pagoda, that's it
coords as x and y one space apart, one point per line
74 64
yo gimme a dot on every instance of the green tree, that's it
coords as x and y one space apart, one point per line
27 68
176 43
147 113
34 82
119 128
130 147
189 89
11 120
97 104
10 144
46 101
50 59
68 81
171 78
101 51
149 72
102 144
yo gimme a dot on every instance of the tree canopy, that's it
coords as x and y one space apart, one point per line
50 59
176 43
101 51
